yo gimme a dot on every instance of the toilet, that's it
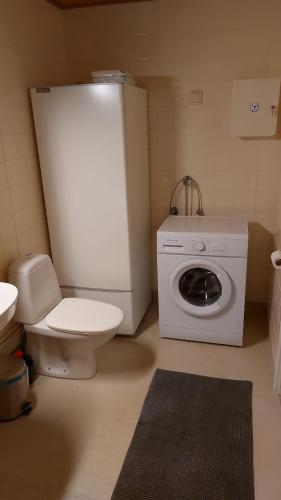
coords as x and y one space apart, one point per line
62 334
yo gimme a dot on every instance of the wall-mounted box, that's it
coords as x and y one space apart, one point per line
255 105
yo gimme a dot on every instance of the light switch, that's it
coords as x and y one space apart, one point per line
196 96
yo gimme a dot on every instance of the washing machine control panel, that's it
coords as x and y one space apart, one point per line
201 245
211 247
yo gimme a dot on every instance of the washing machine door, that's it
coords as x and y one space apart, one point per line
200 287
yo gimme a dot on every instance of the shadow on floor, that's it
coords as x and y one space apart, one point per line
255 327
36 460
129 354
150 319
123 356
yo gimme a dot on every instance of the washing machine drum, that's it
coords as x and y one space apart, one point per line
200 287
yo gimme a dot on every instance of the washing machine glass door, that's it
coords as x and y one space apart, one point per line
200 287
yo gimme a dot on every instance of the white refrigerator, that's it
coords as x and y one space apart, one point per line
93 152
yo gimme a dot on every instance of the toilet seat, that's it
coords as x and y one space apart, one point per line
84 316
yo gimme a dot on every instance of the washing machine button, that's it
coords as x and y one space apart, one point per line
200 246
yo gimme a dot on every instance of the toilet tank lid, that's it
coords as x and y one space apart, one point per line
27 263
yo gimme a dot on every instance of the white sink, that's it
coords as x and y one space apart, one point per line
8 302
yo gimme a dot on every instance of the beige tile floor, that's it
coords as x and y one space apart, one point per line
72 446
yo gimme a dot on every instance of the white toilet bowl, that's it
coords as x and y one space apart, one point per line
63 343
62 334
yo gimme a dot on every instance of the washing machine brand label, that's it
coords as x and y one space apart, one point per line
39 90
173 243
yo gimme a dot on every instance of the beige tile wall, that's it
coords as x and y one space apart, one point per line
173 46
32 52
275 294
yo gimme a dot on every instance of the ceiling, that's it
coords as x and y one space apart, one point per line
70 4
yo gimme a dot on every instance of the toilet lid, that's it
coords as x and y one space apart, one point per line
84 316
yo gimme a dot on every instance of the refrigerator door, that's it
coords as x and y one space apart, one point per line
80 136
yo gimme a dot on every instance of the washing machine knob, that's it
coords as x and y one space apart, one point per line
200 245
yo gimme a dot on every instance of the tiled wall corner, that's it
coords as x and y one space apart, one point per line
32 52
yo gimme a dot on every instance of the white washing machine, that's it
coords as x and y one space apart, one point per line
202 264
